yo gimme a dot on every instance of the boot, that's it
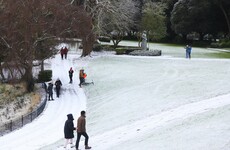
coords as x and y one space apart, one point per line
87 147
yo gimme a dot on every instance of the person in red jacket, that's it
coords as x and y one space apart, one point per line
65 52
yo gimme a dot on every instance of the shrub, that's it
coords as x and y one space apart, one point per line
214 45
104 39
221 44
120 51
45 76
97 47
225 44
201 43
126 50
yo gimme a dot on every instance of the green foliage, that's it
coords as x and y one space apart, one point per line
120 50
219 55
200 43
45 76
225 44
153 20
203 17
221 44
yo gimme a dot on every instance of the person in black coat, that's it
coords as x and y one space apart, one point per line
71 75
58 85
68 130
50 91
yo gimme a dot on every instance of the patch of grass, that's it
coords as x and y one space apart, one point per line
34 101
219 55
9 92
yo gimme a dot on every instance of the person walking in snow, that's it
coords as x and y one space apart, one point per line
50 91
62 53
71 75
65 52
188 50
68 130
58 85
81 130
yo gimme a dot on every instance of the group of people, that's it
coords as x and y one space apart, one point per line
81 130
58 83
64 51
69 125
82 76
49 89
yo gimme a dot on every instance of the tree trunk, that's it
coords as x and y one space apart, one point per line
28 78
1 72
117 39
115 43
87 43
42 65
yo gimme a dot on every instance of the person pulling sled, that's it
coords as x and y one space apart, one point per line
82 77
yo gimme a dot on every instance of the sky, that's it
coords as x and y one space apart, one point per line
163 103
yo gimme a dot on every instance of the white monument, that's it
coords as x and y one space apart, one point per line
144 41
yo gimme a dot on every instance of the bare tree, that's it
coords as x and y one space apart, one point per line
113 18
29 30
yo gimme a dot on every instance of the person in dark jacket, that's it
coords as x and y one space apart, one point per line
71 75
62 52
50 91
58 85
68 130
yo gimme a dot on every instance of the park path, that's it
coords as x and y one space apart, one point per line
48 127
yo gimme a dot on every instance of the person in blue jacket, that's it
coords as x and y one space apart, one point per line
188 50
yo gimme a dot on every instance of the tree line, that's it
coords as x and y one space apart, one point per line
164 20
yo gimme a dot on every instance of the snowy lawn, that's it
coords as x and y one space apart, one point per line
156 103
151 103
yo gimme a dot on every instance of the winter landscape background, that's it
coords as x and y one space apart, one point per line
162 103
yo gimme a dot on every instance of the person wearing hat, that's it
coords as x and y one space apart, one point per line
68 130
